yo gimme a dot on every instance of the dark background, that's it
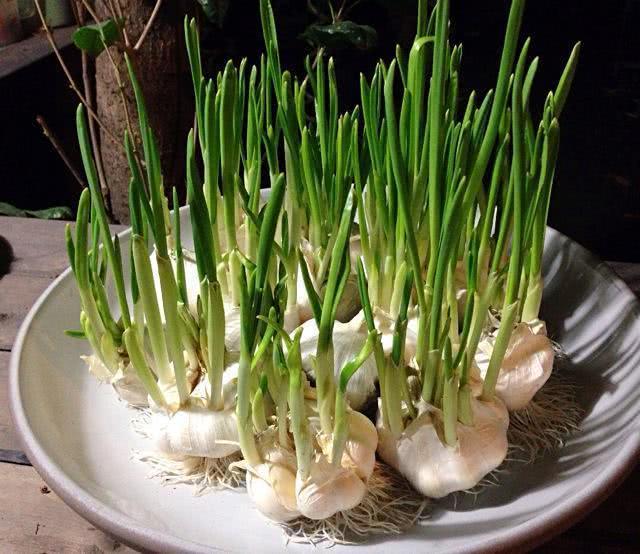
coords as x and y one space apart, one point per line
596 197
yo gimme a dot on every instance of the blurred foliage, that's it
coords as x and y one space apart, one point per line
215 10
57 212
341 34
93 39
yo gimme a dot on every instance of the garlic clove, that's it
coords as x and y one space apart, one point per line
360 447
328 489
272 484
272 488
436 469
124 381
526 367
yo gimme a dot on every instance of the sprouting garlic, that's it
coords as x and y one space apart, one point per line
195 429
281 493
435 469
350 302
331 488
360 447
192 282
348 339
272 484
526 367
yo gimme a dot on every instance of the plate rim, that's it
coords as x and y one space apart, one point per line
526 535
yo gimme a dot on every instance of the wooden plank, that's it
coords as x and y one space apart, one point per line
18 292
25 52
39 255
8 439
37 246
33 519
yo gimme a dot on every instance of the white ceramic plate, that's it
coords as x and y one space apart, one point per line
77 434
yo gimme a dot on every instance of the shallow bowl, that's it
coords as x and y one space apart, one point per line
77 434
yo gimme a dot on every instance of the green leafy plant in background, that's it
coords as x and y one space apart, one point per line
93 39
57 212
339 33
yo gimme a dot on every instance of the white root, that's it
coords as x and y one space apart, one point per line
545 423
205 474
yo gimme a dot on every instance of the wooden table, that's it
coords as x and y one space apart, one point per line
34 519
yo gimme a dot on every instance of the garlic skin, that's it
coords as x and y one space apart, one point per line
272 487
435 469
196 430
526 367
272 484
348 339
350 302
360 449
124 381
328 489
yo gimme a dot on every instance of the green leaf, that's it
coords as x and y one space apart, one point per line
57 212
342 34
215 10
93 38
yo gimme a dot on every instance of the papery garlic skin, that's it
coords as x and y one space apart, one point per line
360 449
271 487
281 493
350 302
124 381
526 367
272 484
348 339
328 489
195 429
435 469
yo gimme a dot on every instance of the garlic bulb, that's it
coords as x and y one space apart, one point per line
196 430
124 381
272 484
281 493
348 339
435 469
526 367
